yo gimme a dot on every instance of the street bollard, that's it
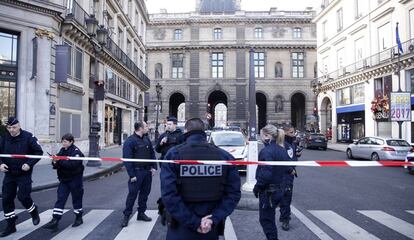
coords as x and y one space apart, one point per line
251 169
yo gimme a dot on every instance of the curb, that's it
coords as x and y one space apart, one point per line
92 176
336 150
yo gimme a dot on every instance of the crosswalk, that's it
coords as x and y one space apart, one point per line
315 221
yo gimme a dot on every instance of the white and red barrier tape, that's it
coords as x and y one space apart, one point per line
316 163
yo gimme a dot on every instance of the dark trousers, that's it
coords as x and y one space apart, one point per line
184 233
286 200
141 186
20 186
267 213
72 186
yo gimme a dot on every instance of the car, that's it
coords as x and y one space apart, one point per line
410 158
314 140
378 148
233 142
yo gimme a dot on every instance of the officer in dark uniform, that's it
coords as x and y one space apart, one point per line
198 198
269 187
170 138
70 175
18 173
294 152
138 146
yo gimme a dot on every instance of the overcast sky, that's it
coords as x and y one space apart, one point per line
172 6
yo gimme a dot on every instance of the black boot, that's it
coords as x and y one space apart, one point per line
10 228
285 225
78 220
35 216
143 217
125 221
52 225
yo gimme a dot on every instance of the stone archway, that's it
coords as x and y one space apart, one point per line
261 105
214 99
326 114
298 105
176 100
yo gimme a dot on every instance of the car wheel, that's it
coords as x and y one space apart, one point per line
324 148
411 170
349 154
375 157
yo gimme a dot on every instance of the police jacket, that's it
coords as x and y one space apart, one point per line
266 175
67 169
173 139
25 143
138 147
189 213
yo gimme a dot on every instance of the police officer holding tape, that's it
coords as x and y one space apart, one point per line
18 173
138 146
270 186
198 198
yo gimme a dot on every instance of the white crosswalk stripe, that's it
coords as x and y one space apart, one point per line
142 230
90 221
17 211
392 222
26 227
342 226
138 228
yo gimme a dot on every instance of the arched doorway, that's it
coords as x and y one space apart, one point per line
175 101
181 113
261 104
214 99
326 114
298 110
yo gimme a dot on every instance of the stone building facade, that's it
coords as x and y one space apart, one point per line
201 60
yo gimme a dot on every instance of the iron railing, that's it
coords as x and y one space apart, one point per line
382 57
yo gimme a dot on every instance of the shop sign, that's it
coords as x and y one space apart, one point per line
400 106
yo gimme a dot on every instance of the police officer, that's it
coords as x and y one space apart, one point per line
171 137
18 173
269 187
70 175
198 198
294 152
138 146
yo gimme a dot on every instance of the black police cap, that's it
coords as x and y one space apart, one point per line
12 121
172 119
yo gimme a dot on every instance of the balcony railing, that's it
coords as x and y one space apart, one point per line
75 12
385 56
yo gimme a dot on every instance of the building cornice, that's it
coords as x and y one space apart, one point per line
404 1
339 41
165 22
363 26
55 12
326 10
383 14
230 46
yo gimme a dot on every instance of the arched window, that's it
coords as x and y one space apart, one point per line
278 70
158 70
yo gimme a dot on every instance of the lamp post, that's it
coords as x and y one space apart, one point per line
316 90
95 128
158 90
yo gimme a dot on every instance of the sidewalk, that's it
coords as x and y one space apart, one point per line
44 177
341 147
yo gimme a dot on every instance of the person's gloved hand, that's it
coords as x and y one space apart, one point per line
256 191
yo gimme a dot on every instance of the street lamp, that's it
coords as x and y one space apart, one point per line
158 90
95 128
316 87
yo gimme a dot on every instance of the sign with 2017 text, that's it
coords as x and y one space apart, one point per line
400 106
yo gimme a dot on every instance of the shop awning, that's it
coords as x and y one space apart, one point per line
352 108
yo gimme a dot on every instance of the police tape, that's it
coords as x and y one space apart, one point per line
314 163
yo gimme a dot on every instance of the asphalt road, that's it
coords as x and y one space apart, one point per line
328 203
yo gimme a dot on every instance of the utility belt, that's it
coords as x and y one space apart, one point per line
143 168
271 188
168 220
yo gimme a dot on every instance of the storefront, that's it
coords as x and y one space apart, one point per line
351 123
112 125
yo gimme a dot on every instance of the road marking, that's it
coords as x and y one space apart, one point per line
342 226
229 233
309 224
90 222
138 228
411 211
27 226
17 211
396 224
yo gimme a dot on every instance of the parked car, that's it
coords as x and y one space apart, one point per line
378 148
231 141
314 140
410 158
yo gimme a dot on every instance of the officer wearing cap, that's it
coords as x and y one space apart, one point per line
70 175
269 187
294 152
171 137
138 146
18 173
198 198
